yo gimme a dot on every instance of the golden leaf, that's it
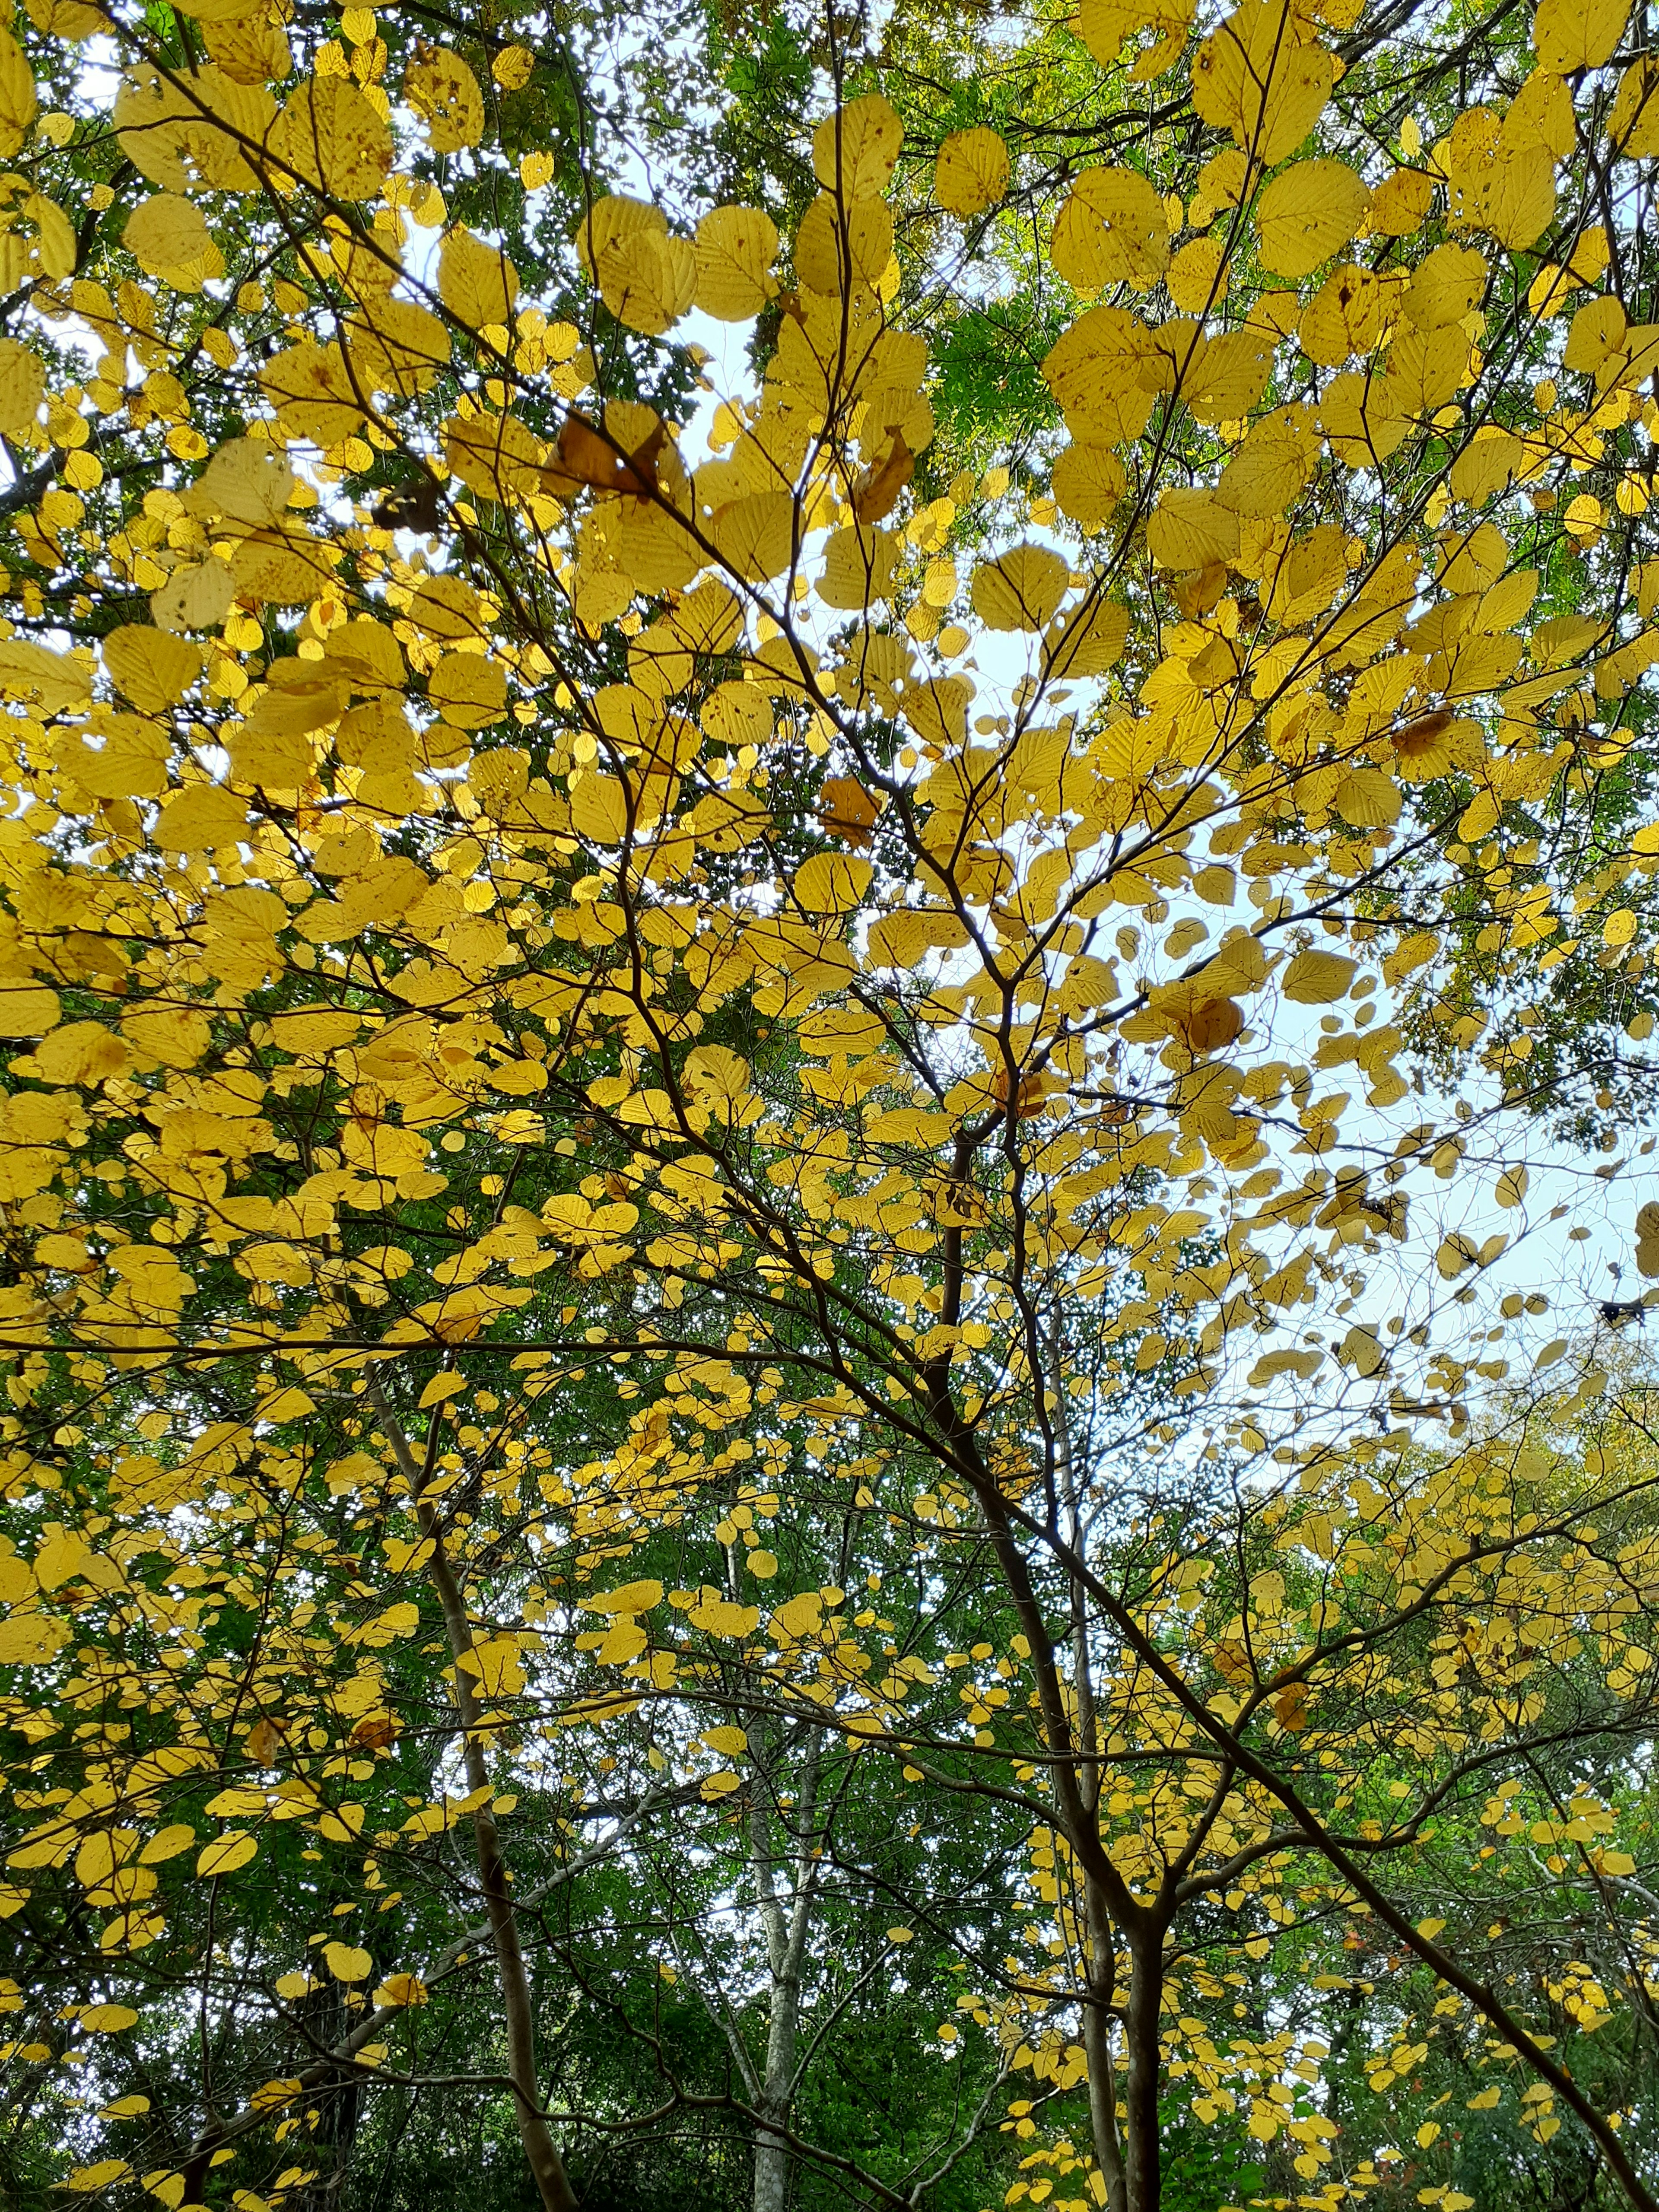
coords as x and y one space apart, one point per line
832 883
402 1989
735 249
1255 78
875 493
1445 286
1113 229
1633 125
443 92
332 138
476 281
646 277
1196 277
225 1855
22 387
18 104
971 173
856 150
1569 35
1190 528
1021 590
165 233
1315 979
1308 213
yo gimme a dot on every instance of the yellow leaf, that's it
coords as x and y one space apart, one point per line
203 818
57 683
402 1989
1194 276
1089 641
26 1009
228 1852
598 810
167 1844
1253 77
1270 469
735 249
1576 34
196 597
754 534
1021 590
475 281
469 691
74 19
245 481
1315 979
1113 229
1307 213
797 1616
858 566
1190 528
832 883
22 387
105 2175
496 1667
1095 373
856 149
629 1598
1619 928
1446 284
1087 484
444 93
716 1616
153 667
347 1963
332 138
647 277
971 173
82 1053
1633 125
714 1072
1369 798
165 232
18 104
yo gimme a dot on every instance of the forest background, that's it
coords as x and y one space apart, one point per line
827 933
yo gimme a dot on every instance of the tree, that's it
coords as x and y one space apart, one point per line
583 1097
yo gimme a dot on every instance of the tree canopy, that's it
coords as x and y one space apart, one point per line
828 903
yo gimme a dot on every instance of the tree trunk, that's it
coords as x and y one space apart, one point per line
1100 1979
771 2150
1141 2083
542 2153
786 1943
1098 2051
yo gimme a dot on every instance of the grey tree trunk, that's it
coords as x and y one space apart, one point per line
1101 1969
787 1922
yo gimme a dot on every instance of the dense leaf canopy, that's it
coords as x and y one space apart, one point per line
828 861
